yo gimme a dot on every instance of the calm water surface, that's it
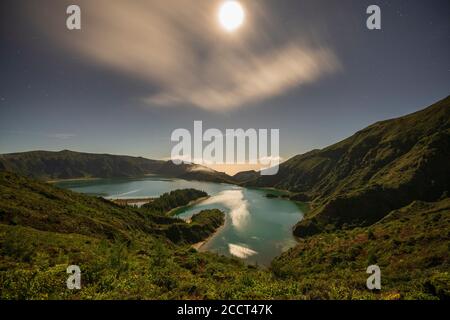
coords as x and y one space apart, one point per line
257 228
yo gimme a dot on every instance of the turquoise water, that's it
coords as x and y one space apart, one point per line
257 228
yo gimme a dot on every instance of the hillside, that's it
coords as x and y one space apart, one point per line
174 199
246 176
46 165
384 167
410 245
123 252
128 253
43 207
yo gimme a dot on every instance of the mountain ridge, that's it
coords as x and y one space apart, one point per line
379 169
66 164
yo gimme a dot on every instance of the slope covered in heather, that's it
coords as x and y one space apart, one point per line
411 245
379 169
131 253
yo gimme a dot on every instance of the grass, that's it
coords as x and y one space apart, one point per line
127 253
359 180
411 246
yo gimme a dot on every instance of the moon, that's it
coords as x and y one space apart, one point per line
231 15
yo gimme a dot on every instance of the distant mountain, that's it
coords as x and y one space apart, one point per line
193 172
379 169
46 165
246 176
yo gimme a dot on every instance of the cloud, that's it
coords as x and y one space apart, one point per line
254 79
178 47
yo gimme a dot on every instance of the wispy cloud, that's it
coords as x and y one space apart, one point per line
238 82
178 48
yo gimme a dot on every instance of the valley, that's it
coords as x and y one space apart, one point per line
379 197
254 223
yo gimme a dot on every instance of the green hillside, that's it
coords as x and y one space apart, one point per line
46 165
123 252
129 253
174 199
410 245
379 197
384 167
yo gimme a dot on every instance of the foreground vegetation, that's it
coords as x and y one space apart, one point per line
381 168
131 253
410 245
174 199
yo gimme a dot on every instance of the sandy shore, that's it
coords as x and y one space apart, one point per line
132 202
197 246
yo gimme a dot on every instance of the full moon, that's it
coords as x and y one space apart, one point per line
231 15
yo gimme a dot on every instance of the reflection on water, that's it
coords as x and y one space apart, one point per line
122 195
240 251
237 205
256 229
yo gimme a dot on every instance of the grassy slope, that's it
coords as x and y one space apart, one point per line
124 255
46 165
123 252
68 164
381 168
411 245
174 199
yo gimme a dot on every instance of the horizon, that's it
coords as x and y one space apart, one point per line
90 90
230 170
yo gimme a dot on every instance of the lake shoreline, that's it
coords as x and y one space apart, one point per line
54 181
174 211
131 202
197 246
249 213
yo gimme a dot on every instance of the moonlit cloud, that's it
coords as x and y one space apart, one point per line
252 80
178 47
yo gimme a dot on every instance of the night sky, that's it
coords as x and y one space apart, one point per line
133 74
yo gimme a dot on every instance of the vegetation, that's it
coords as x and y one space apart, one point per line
202 225
128 253
379 197
67 164
173 200
245 176
382 168
410 245
46 165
